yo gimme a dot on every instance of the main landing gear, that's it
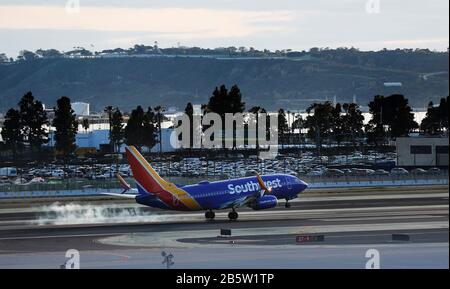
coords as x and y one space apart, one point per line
210 215
233 215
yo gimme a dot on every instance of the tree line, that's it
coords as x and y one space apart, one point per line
353 56
391 117
29 125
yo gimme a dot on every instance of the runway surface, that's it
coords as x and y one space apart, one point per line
126 235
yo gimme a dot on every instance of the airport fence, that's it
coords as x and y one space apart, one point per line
71 187
410 178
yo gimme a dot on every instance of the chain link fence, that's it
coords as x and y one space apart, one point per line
96 186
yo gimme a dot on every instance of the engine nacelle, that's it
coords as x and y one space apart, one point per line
265 202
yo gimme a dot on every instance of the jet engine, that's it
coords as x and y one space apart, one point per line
264 202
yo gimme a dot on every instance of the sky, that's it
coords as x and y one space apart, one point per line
262 24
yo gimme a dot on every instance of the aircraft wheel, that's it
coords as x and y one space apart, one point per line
287 205
210 215
233 215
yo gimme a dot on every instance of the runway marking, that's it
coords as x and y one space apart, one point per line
403 208
253 215
60 236
386 234
367 235
376 218
113 254
269 229
169 239
370 197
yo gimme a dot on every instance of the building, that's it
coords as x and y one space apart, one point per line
97 138
92 139
80 108
422 151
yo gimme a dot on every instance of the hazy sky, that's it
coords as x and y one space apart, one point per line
274 24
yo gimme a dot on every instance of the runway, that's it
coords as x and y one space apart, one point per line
131 236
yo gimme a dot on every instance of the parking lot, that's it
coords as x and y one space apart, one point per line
311 168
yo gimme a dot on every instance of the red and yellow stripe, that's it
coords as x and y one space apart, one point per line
149 179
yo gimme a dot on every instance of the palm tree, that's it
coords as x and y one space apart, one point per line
109 111
159 114
85 124
257 110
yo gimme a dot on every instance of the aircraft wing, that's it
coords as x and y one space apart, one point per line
126 196
242 201
248 199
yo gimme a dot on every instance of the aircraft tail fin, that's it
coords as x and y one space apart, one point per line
147 179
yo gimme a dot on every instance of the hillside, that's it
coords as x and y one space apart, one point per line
291 82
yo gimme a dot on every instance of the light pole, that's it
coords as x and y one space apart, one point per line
167 259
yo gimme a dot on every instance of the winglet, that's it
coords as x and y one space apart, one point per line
123 183
262 185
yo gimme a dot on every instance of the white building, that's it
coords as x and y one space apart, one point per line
80 108
422 151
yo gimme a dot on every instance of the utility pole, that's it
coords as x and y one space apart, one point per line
318 140
381 121
109 111
160 110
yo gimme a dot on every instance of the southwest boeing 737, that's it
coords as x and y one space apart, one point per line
258 192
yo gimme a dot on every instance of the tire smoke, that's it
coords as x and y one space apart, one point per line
73 214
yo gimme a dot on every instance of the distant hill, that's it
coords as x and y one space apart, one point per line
290 82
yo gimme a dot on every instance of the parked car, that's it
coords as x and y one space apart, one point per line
399 172
101 176
347 171
4 182
334 173
434 171
381 172
314 174
58 173
362 172
36 180
418 171
45 173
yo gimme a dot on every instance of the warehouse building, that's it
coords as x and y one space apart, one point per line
422 151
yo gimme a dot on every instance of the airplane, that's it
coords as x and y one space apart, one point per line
258 192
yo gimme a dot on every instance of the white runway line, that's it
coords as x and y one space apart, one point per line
370 197
375 218
58 236
394 208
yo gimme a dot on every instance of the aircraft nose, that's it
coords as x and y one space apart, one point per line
303 185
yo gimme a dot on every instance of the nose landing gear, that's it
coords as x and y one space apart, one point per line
287 204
